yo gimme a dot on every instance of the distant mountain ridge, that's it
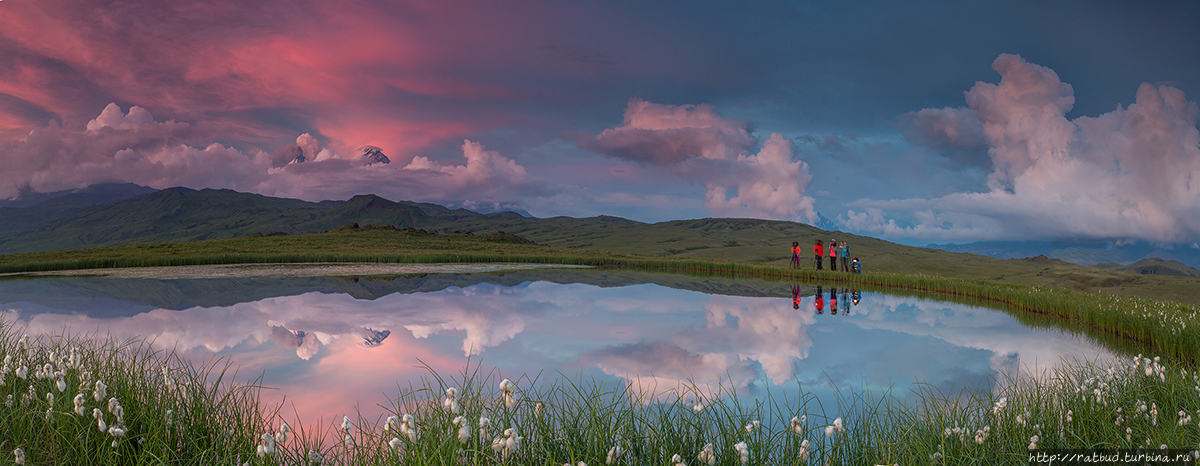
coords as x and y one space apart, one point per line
182 214
1081 252
34 209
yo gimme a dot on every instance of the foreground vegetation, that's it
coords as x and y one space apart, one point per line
1168 328
88 400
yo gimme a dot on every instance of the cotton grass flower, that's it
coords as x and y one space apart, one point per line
464 429
484 422
59 382
743 452
1000 405
796 427
1033 441
803 455
267 447
100 392
23 373
509 443
395 443
836 427
677 460
79 409
707 456
450 403
282 435
751 426
99 415
506 391
408 427
19 456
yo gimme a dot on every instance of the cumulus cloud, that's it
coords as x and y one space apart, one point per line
1129 173
766 185
112 117
133 147
697 143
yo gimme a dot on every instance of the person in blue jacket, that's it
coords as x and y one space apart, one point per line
844 251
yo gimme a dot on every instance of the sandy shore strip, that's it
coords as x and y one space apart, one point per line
295 270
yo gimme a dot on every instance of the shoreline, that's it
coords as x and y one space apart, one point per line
302 269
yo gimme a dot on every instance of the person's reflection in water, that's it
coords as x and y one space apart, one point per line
795 296
833 308
856 297
845 302
820 301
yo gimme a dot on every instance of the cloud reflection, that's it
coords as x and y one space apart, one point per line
319 348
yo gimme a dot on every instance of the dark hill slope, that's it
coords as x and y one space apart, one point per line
176 214
16 216
1152 266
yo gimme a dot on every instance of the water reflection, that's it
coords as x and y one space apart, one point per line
328 342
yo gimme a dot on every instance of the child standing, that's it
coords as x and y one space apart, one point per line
795 254
845 253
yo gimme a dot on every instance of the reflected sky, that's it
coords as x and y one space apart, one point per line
327 350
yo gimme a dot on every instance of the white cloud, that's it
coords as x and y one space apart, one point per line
1130 173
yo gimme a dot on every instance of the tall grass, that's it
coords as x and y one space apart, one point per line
94 400
567 421
173 412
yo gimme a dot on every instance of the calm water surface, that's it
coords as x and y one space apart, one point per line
332 344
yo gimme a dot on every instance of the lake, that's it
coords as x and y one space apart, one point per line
336 344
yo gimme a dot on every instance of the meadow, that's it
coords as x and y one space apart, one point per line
87 399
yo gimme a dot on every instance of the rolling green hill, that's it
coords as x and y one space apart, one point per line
180 214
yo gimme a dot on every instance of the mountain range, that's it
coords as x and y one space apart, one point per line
1081 251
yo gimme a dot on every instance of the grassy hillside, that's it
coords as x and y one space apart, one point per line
176 215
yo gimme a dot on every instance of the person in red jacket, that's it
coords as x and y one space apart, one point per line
833 255
819 250
795 254
819 301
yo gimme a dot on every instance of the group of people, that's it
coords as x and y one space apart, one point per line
835 250
848 297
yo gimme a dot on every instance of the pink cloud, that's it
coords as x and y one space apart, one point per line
697 143
132 147
669 134
1129 173
345 70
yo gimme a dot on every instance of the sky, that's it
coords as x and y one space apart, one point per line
915 122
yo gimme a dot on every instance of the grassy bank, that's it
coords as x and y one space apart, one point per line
158 409
85 400
1168 328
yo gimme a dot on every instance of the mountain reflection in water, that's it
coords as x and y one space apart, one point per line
329 344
